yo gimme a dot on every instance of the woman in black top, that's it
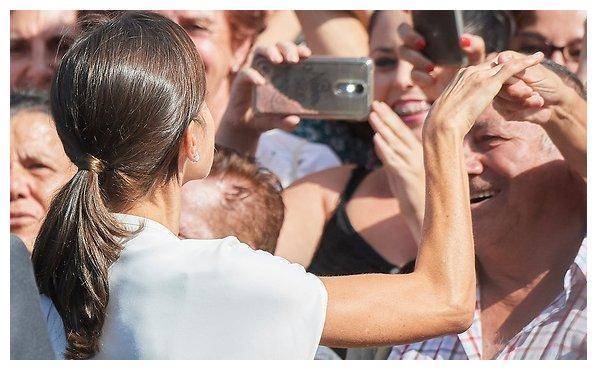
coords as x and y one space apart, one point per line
338 221
348 220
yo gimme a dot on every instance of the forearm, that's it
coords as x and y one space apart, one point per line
567 129
411 199
384 309
439 296
242 139
414 221
282 26
446 253
334 32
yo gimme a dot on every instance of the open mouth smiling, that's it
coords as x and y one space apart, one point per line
482 196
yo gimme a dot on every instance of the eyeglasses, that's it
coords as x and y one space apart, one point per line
530 43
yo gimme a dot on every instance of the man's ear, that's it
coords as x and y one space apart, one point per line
241 49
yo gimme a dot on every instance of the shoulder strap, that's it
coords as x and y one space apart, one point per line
358 174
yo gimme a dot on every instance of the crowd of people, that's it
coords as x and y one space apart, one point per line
165 219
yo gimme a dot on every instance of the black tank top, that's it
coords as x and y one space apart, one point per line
341 250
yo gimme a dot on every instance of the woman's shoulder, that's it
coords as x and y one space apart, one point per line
233 258
233 263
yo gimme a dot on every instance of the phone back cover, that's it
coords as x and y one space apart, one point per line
442 30
311 87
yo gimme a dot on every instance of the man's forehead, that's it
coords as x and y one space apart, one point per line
490 119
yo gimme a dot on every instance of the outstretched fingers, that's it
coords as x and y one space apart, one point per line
514 66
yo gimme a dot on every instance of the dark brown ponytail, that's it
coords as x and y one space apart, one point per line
121 98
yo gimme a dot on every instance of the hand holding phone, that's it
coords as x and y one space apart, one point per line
316 87
442 30
427 74
240 127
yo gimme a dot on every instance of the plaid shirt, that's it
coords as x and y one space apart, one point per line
558 332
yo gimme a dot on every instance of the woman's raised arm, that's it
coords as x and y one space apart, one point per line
439 296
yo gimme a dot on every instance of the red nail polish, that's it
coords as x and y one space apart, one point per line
464 42
430 68
420 44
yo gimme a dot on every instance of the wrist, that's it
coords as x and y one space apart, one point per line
569 104
439 129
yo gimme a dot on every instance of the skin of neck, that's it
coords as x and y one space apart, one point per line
162 206
529 258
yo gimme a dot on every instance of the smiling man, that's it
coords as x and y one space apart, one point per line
528 202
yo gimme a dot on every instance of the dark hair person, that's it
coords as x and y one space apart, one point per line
128 101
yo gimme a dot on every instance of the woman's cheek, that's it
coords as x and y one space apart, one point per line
214 64
380 86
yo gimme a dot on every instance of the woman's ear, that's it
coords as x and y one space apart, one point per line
190 142
197 148
189 161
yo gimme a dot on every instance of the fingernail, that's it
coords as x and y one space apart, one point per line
538 55
465 42
420 44
430 68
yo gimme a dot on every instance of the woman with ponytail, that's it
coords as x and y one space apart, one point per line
128 102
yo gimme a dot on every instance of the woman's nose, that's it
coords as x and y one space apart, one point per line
403 78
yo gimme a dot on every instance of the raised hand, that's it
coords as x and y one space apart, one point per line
239 112
540 96
471 91
240 127
401 153
532 94
431 78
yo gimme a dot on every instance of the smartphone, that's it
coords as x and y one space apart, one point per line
442 30
317 87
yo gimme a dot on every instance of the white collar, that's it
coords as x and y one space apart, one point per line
136 221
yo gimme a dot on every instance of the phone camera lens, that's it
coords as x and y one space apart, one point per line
349 89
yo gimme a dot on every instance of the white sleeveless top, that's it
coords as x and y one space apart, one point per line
203 299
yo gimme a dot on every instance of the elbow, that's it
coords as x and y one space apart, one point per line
458 312
453 304
459 318
456 308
